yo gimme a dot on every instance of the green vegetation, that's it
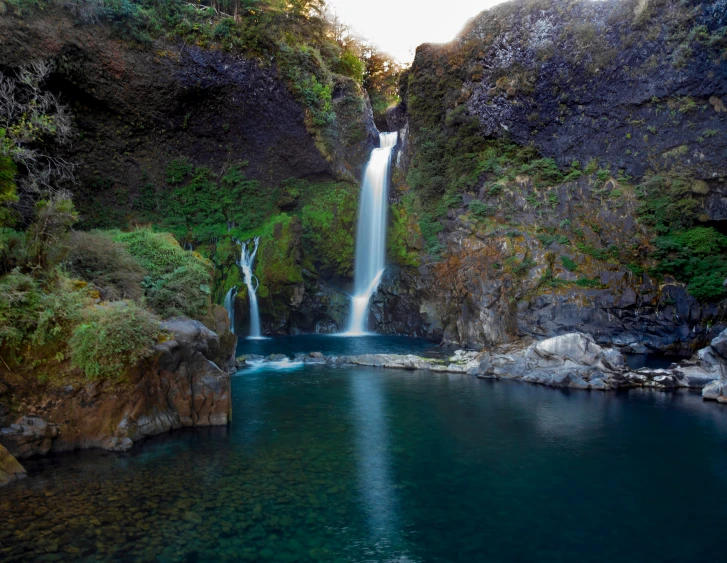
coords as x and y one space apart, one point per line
692 254
98 319
178 282
329 223
308 47
99 260
112 339
568 263
404 236
697 257
37 317
278 257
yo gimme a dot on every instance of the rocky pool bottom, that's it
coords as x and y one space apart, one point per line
341 463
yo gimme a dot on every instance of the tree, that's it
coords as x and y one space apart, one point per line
30 117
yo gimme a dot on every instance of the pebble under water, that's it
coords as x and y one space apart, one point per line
328 463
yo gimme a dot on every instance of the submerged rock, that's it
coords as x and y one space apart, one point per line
10 468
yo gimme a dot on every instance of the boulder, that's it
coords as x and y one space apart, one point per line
712 391
28 436
10 468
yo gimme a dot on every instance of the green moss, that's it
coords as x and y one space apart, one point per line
329 223
278 258
403 236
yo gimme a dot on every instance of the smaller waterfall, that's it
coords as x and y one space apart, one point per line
247 259
230 307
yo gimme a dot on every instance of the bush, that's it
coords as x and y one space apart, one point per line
695 256
480 209
97 259
178 282
8 194
200 206
35 314
568 263
112 339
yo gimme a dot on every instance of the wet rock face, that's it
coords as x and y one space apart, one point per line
580 80
607 83
138 109
497 280
181 387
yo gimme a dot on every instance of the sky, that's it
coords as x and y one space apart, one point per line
398 26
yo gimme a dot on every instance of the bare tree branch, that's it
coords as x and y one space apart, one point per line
30 117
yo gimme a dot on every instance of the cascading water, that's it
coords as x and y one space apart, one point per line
247 259
230 307
371 232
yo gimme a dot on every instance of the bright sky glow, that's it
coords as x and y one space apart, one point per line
399 26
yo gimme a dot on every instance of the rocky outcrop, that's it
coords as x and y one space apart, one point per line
10 468
571 360
710 366
629 87
579 80
181 386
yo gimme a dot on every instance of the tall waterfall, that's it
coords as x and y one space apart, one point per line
371 232
230 307
247 259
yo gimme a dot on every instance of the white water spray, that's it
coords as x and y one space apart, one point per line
371 232
230 307
247 259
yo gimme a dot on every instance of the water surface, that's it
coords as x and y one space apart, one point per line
359 464
337 345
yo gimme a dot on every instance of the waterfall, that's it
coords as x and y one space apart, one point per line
247 259
371 232
230 307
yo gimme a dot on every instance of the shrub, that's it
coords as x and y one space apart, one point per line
568 263
178 282
48 233
112 339
97 259
201 206
592 283
8 194
695 256
480 209
350 65
38 314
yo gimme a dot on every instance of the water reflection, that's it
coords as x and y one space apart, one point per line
376 485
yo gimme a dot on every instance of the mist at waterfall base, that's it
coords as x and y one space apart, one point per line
371 233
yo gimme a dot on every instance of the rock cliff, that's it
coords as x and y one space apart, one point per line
555 159
181 386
